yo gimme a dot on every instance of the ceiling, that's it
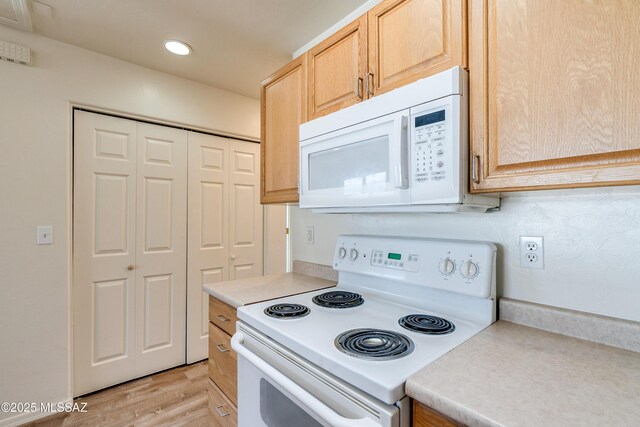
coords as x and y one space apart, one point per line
236 43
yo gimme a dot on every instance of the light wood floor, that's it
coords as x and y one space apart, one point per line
177 397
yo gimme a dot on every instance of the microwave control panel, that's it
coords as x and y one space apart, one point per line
430 159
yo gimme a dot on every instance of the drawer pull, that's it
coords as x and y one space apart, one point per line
220 412
221 348
222 318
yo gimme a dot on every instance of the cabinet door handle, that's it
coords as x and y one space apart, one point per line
475 169
220 412
370 84
222 318
359 82
221 348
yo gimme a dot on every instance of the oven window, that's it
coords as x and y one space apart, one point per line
277 410
361 167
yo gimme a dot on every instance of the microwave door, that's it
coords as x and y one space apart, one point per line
362 165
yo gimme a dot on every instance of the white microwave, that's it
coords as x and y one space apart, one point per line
405 150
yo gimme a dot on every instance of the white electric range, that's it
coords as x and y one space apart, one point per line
340 357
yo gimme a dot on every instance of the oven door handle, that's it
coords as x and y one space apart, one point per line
316 406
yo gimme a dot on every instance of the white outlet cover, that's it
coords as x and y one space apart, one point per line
45 235
532 245
310 236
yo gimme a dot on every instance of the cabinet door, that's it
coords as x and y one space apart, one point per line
283 103
554 88
423 416
223 412
337 68
223 363
412 39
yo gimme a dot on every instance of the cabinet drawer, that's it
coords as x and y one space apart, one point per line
222 315
223 412
223 362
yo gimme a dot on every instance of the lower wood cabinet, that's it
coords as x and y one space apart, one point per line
423 416
223 364
223 412
222 315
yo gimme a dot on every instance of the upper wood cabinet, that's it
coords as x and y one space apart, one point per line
412 39
554 93
283 107
337 68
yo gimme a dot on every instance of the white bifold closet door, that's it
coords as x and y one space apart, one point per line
225 224
130 226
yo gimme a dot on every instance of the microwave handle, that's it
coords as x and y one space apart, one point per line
400 158
306 398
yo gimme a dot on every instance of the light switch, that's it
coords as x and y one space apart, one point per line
45 235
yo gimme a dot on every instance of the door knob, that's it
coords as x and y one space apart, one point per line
130 267
233 257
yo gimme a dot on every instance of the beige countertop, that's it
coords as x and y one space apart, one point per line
513 375
241 292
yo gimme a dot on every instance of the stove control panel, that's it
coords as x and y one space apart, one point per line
464 267
397 260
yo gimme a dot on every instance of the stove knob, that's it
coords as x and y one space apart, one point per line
447 266
353 254
469 269
342 252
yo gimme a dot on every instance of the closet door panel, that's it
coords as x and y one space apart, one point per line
160 266
208 260
104 246
245 220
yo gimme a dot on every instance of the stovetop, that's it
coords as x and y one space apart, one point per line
313 337
414 285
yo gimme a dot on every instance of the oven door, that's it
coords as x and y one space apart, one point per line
276 388
361 165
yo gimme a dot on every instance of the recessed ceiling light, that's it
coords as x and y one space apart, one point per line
177 47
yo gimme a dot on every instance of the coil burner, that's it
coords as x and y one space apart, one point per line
374 344
338 299
425 324
286 311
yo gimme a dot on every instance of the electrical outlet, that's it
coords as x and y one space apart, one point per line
310 239
531 252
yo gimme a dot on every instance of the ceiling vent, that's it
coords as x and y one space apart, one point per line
16 14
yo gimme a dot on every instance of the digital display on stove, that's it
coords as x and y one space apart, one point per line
394 256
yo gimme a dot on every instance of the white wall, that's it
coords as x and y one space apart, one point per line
275 239
364 8
35 189
591 242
